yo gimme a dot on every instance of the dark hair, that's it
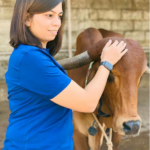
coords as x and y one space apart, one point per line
19 32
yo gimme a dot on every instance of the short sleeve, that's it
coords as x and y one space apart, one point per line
39 74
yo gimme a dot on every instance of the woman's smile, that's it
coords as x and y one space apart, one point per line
54 32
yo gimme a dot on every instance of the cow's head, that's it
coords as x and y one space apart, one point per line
121 91
120 94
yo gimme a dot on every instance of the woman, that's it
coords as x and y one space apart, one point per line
41 95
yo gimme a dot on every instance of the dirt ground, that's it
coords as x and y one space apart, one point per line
140 142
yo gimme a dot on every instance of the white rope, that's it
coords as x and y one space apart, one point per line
109 142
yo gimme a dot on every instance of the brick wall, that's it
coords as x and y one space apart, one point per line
128 17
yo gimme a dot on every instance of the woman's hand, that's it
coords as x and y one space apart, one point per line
113 52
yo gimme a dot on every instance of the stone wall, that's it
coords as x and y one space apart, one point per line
128 17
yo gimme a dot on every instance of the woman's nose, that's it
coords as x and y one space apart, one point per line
56 21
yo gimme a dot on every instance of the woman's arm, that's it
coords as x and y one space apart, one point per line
83 100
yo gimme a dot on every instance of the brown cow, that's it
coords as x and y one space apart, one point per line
120 94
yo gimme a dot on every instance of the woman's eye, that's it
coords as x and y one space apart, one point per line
60 17
49 15
52 16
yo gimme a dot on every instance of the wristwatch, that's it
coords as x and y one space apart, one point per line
107 65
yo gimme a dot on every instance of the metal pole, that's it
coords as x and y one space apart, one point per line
69 29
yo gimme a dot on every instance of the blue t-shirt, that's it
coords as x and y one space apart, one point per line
35 122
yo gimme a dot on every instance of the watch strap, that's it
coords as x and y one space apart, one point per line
107 65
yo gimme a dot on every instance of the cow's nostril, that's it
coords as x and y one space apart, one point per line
127 127
131 127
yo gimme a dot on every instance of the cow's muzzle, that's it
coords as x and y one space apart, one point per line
131 127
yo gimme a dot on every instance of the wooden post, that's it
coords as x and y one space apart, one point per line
69 29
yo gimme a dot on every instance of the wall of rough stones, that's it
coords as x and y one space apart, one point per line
128 17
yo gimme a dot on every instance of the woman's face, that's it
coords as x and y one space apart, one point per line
45 26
